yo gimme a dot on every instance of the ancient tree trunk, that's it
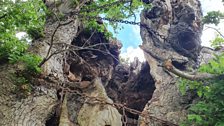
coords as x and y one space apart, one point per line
179 22
64 69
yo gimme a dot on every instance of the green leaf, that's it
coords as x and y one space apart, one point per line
194 117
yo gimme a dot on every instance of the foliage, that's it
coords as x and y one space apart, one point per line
31 62
209 111
185 85
118 12
20 16
11 48
214 66
217 42
28 16
213 17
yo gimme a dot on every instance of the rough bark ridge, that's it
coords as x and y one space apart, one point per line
179 21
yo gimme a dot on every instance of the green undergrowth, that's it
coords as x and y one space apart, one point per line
209 110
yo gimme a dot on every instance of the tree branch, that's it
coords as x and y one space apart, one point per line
48 56
77 48
52 36
216 31
194 77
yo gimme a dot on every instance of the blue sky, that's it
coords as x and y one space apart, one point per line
129 35
131 39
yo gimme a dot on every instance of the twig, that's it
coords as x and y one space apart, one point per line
89 38
216 31
131 11
52 39
81 4
77 48
48 56
52 54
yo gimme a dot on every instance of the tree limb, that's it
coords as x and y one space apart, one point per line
216 31
194 77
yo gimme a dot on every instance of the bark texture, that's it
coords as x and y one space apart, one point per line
16 111
94 114
179 21
133 86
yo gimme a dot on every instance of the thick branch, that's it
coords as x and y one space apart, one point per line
198 76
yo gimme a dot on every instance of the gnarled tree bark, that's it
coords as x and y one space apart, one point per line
179 22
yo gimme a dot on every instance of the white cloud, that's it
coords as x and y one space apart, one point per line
131 53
